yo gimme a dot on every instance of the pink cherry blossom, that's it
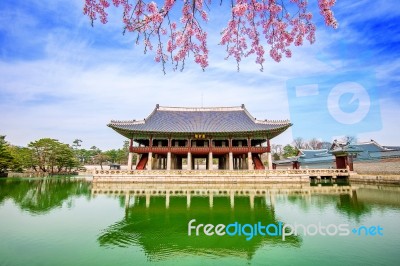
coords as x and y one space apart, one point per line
254 26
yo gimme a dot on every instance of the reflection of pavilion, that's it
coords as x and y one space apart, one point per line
157 216
214 190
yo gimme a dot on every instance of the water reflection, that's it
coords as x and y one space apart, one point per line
40 196
155 217
160 227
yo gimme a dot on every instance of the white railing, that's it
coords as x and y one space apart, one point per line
297 172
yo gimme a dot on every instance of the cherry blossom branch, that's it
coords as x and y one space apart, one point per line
250 21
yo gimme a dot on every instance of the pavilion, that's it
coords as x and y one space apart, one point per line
172 136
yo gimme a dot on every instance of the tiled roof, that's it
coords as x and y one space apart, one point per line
309 156
199 120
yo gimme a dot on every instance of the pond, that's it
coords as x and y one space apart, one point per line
67 221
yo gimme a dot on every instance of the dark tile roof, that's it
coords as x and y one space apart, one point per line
199 120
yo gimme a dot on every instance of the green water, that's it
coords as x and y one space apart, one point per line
69 222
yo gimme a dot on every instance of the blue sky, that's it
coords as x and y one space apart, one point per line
63 79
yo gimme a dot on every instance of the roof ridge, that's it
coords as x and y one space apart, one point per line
200 109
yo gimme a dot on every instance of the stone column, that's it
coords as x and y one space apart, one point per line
130 155
244 163
169 160
169 155
269 156
150 161
230 160
269 161
210 161
189 161
159 162
250 161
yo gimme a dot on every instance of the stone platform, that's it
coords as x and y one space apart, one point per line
217 176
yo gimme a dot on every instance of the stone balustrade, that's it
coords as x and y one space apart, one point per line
215 176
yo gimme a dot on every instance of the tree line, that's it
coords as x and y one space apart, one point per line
51 156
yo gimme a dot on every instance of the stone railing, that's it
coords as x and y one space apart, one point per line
223 173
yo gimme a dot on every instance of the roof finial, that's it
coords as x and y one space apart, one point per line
157 106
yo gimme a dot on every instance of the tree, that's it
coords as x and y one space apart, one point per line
6 159
76 143
22 158
299 143
314 144
251 23
349 139
289 151
326 145
50 156
100 158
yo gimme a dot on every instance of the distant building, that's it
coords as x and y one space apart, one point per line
340 155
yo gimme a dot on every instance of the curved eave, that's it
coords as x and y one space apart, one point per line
137 134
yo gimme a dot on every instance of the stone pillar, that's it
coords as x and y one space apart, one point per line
269 156
230 161
269 161
159 162
250 161
150 161
210 161
169 160
244 163
130 155
189 161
